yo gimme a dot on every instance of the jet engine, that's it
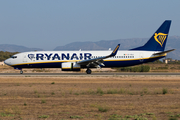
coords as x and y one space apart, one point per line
70 66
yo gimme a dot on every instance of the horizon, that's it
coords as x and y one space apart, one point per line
89 41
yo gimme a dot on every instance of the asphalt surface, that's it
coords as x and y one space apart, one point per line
93 74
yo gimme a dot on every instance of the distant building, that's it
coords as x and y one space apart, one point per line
169 60
1 63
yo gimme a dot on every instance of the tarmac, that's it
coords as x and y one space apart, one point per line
100 74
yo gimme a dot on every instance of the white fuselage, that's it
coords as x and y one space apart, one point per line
53 59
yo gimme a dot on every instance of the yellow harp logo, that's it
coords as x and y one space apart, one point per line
160 37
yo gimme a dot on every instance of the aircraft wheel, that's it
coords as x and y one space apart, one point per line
88 71
21 72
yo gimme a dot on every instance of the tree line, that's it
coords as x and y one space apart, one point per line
5 55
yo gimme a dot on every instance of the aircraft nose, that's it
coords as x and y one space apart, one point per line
7 62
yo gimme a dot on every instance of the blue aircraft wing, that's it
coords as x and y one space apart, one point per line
99 60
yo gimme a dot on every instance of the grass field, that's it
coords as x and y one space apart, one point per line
89 98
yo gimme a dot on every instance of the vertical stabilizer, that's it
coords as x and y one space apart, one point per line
158 40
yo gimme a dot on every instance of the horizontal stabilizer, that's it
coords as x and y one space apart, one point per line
160 53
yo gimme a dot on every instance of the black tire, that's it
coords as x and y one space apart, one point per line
88 71
21 72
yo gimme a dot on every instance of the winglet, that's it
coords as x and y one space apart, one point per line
115 50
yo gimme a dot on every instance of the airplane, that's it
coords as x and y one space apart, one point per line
77 60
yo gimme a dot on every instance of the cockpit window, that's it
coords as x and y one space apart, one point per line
14 57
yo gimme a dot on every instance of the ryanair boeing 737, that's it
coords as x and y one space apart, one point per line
76 60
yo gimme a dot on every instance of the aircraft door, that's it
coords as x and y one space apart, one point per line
141 57
24 58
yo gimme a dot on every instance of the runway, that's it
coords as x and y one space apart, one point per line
74 74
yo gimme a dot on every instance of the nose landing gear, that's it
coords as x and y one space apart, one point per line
21 72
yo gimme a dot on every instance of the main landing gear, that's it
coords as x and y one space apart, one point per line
88 71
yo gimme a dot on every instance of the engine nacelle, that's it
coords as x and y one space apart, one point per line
70 66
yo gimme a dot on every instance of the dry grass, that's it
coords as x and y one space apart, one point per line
80 98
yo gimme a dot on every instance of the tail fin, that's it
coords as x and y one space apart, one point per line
158 40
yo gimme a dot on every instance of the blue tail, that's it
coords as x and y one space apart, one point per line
158 40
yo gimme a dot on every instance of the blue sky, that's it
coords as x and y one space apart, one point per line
50 23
